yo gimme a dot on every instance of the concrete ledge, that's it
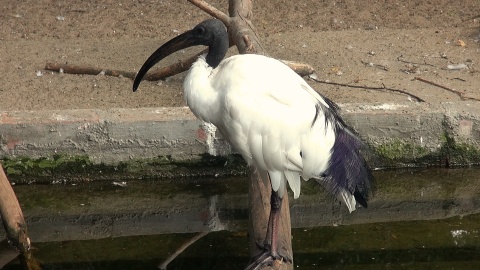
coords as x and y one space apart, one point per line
109 136
398 132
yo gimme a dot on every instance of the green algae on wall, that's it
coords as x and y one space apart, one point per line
392 154
81 168
398 153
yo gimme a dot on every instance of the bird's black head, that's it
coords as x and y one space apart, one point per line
211 33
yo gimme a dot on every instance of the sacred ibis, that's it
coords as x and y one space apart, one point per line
273 118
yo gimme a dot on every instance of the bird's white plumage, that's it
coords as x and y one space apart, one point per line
268 113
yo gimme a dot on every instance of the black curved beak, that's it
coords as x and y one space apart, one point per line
179 42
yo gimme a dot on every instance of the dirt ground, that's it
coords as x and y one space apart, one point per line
364 43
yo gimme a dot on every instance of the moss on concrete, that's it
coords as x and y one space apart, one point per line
458 153
81 168
398 153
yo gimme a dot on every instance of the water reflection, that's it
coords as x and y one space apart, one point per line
422 218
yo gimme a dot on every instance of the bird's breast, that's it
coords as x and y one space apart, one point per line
199 94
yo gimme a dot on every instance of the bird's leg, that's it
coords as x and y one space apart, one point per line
270 248
271 238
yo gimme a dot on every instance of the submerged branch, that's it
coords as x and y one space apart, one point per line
164 264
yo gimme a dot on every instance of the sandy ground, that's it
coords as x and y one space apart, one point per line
363 43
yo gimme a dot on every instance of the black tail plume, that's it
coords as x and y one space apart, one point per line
348 169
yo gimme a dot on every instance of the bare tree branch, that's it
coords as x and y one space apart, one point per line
212 11
301 69
78 69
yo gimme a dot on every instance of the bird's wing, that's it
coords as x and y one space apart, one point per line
269 114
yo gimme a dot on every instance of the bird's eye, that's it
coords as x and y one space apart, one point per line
200 30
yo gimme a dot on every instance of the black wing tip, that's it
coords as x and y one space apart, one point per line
360 198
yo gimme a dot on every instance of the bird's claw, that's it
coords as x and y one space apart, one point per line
267 257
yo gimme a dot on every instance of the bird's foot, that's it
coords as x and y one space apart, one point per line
267 257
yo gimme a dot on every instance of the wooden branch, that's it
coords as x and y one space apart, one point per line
441 86
12 216
14 223
76 69
214 12
400 59
459 93
259 192
370 64
241 30
383 88
301 69
163 265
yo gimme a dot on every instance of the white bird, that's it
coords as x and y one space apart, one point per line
273 118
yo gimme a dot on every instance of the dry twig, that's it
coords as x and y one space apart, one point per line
459 93
383 88
369 64
400 59
441 86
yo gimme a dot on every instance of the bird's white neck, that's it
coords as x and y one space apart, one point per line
199 94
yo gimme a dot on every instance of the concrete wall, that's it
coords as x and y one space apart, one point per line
116 135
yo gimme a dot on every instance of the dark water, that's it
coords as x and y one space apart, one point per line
442 233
